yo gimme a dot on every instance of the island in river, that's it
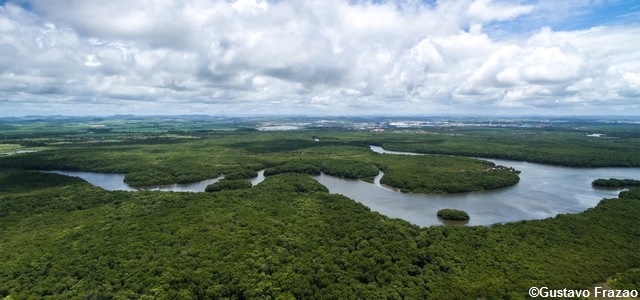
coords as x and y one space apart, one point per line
288 237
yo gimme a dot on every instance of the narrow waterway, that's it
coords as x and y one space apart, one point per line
115 182
257 179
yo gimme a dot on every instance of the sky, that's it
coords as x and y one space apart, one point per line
320 57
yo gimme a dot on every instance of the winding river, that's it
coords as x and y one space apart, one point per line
115 182
543 191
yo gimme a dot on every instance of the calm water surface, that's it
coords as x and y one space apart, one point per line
258 179
115 182
543 191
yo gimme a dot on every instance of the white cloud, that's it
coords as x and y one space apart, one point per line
323 57
490 10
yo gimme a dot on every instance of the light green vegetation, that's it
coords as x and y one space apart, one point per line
9 148
453 214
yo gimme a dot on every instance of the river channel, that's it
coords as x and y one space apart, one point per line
115 182
543 191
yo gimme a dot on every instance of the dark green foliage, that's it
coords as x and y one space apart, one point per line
236 154
17 180
630 194
291 182
453 214
226 184
629 280
348 168
61 238
145 165
335 167
241 174
276 145
297 166
19 183
442 174
542 146
288 238
616 183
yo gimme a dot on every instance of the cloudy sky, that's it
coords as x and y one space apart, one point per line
319 57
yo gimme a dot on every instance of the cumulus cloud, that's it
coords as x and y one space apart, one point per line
312 57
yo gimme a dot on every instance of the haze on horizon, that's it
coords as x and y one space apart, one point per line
330 57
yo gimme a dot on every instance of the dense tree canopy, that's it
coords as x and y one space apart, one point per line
616 183
287 237
228 184
453 214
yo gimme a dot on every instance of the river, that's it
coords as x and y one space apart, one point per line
115 182
543 191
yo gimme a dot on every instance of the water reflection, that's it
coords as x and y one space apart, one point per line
198 186
258 179
543 191
115 182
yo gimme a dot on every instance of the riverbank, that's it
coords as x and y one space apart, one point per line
290 236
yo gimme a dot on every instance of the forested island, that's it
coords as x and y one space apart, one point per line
616 183
453 214
288 237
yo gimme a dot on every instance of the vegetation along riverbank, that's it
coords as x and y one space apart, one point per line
288 237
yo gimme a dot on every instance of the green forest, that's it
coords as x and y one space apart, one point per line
453 214
239 155
288 237
228 184
616 183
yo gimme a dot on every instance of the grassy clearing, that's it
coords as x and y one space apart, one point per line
9 148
